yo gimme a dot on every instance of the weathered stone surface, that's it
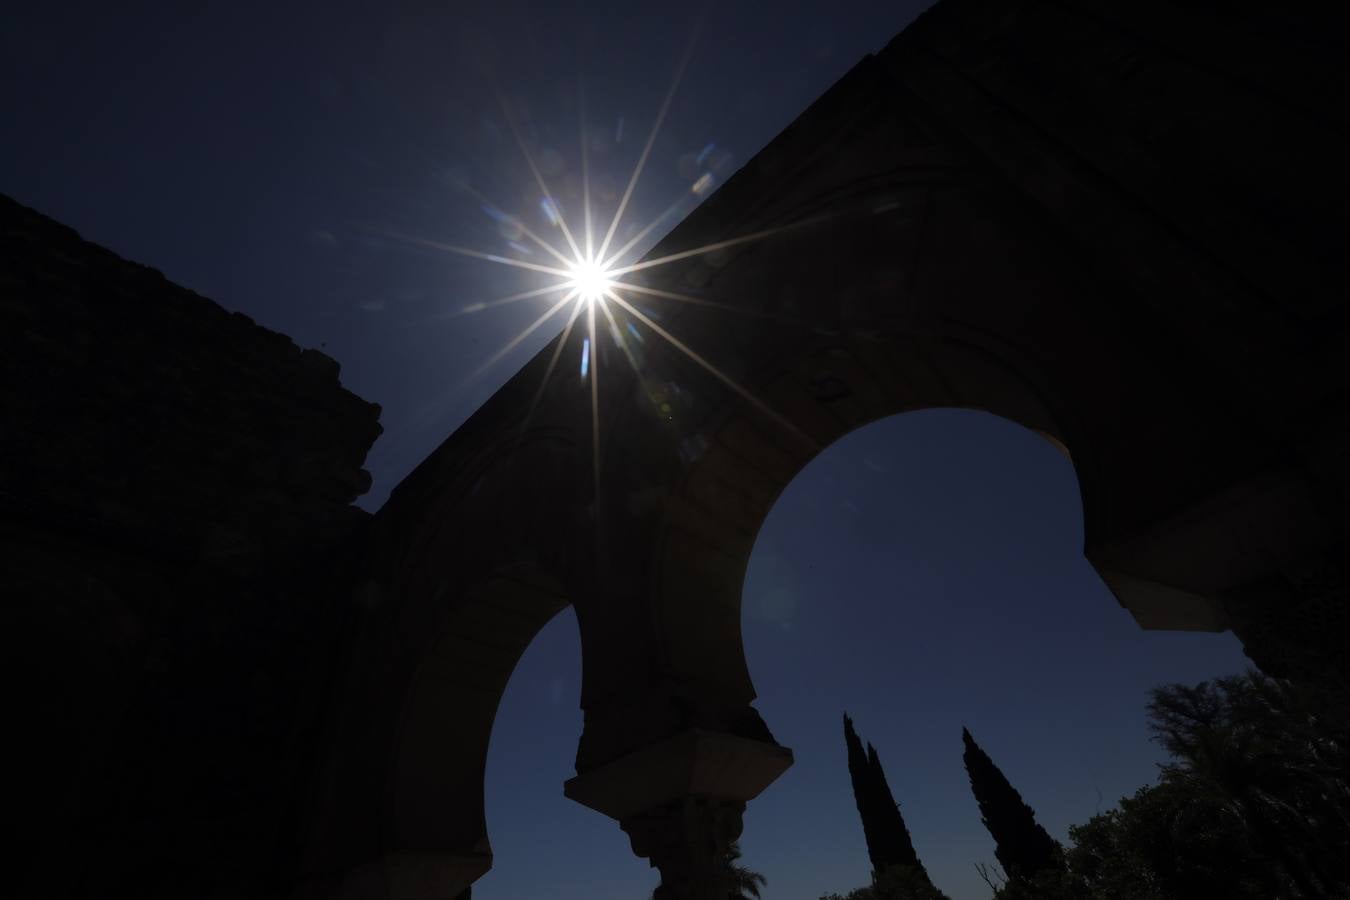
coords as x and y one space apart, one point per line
142 410
173 481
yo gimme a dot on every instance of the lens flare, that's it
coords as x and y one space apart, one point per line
596 276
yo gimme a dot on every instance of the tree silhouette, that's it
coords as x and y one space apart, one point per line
1022 846
1271 761
888 840
895 846
864 794
896 883
1254 803
745 883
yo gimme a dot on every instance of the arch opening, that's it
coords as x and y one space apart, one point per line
926 572
539 837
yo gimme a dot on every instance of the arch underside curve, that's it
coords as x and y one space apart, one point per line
931 256
466 564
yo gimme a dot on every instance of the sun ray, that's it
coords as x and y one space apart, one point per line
715 372
720 245
479 254
589 281
524 229
538 176
699 301
595 399
499 301
618 337
651 139
548 373
585 175
618 254
531 329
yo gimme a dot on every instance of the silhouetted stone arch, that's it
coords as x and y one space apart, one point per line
1014 208
452 593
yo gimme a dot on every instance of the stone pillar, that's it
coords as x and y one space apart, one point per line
687 840
680 802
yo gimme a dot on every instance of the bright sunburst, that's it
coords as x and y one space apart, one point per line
592 279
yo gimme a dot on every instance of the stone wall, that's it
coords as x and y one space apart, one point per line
1190 157
175 485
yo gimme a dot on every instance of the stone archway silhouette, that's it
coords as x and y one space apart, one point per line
1012 208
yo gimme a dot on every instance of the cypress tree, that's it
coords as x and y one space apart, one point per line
888 840
1022 846
894 844
864 793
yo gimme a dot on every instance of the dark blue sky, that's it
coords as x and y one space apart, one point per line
923 573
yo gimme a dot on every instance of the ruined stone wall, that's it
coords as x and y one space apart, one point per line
175 497
1192 154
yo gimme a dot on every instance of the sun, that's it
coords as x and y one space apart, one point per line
595 281
590 279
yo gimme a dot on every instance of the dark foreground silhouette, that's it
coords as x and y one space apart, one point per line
1254 802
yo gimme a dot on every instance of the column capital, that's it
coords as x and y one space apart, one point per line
687 841
693 763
